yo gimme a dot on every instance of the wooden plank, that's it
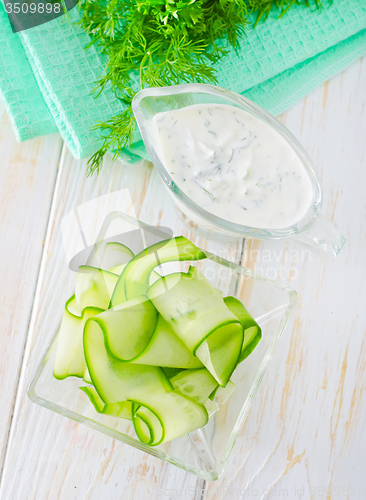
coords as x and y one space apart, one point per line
317 369
27 177
305 435
50 456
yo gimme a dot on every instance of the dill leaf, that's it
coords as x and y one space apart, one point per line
153 43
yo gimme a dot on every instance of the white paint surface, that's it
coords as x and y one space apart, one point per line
305 434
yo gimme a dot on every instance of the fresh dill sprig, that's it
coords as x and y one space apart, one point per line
113 140
153 43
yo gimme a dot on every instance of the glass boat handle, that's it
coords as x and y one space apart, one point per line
323 236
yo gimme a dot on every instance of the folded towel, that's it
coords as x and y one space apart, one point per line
46 75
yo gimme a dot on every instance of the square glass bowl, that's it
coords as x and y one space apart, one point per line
204 452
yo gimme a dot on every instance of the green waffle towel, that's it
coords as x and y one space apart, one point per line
46 75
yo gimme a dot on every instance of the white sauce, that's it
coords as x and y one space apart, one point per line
234 165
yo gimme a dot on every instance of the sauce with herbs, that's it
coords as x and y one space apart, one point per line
234 165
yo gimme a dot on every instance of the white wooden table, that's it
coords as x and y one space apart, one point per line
305 436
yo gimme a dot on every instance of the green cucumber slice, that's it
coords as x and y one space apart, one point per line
146 424
164 353
117 380
118 269
252 331
188 306
134 332
195 384
128 328
94 287
222 394
220 351
198 276
201 320
171 372
93 290
69 359
159 418
134 280
86 376
166 349
122 409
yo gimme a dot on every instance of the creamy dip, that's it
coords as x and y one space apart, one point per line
234 165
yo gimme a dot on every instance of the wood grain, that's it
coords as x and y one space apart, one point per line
50 456
304 437
27 177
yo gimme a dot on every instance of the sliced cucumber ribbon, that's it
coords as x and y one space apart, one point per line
156 417
157 350
165 349
195 384
94 287
135 278
252 331
93 290
222 394
122 409
70 360
158 414
116 380
166 416
128 327
135 332
201 319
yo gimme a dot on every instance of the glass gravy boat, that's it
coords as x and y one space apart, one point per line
313 230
